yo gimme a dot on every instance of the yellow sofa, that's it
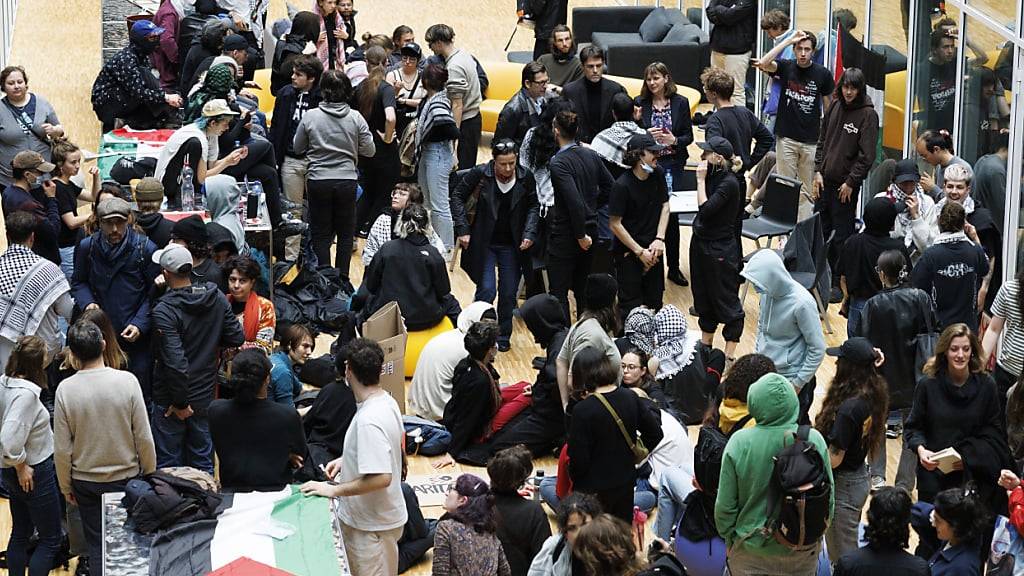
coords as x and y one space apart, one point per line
506 79
262 78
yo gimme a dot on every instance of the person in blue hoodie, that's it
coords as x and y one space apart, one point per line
788 329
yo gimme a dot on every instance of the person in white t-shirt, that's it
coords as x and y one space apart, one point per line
370 502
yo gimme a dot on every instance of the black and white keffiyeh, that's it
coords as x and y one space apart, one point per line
639 329
29 285
676 345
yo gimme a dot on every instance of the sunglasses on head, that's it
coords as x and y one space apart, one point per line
505 146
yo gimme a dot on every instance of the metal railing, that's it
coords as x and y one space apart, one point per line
8 11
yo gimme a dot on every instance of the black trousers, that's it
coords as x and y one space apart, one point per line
618 501
379 176
191 149
260 164
637 287
715 285
138 115
836 217
806 398
89 496
469 141
332 215
1004 380
569 273
541 47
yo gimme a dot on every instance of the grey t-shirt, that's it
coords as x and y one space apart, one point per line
463 82
589 334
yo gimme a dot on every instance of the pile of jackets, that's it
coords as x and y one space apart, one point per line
314 297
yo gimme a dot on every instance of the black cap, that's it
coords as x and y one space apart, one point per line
411 49
644 142
235 42
718 145
906 171
857 350
191 229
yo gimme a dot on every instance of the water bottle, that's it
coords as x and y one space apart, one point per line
537 479
668 180
254 191
188 202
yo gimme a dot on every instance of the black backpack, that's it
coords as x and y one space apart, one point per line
707 455
799 492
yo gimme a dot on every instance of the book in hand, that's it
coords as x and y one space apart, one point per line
946 459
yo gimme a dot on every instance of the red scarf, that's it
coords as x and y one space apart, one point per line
250 316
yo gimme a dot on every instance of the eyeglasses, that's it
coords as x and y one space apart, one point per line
505 146
543 81
630 366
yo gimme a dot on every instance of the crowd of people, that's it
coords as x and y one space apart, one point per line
130 342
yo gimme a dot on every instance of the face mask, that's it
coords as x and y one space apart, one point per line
647 168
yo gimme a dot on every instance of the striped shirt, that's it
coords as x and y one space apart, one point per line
1007 306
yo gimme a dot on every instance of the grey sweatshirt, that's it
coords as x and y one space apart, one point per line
100 428
333 137
25 434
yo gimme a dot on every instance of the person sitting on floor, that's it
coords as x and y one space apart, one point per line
522 523
297 344
328 419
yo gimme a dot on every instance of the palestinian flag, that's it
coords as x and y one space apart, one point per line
282 530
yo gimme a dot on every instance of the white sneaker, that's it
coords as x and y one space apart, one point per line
877 482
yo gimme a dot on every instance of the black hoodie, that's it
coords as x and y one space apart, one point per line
191 326
545 319
847 141
411 272
156 227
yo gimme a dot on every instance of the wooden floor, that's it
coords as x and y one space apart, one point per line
63 72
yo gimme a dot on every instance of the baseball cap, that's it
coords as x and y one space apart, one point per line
113 208
218 107
149 190
174 258
235 42
411 49
31 160
644 142
718 145
906 171
857 350
144 28
191 229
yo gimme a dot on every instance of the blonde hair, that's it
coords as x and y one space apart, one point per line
958 173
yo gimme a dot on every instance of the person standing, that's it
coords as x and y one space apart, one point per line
330 46
191 233
332 137
27 121
375 99
547 15
581 184
638 216
101 435
561 61
28 473
291 105
732 40
464 91
591 95
23 194
370 502
522 111
844 155
405 78
788 329
192 324
501 233
807 86
67 157
436 131
149 195
114 271
714 255
35 293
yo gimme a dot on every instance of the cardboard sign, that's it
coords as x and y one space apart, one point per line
387 328
432 490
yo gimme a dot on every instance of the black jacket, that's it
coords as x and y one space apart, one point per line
191 325
847 141
156 227
329 417
739 126
734 30
411 272
287 49
581 184
516 118
576 93
522 529
682 127
870 562
206 44
284 107
546 15
891 320
952 273
523 217
467 416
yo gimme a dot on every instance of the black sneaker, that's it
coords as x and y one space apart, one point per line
677 277
504 346
835 296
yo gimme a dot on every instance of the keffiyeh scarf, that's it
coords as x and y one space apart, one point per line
29 285
967 203
436 110
218 83
676 345
639 329
611 143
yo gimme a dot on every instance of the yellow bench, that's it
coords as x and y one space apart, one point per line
505 79
267 99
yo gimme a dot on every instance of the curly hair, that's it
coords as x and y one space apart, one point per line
542 143
478 512
744 371
938 363
855 379
576 503
888 519
605 546
963 509
250 370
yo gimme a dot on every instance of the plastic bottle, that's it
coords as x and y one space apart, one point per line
188 201
537 479
254 190
668 180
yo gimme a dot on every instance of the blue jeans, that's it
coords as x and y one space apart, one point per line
35 511
507 287
675 485
644 497
67 261
853 316
435 166
182 442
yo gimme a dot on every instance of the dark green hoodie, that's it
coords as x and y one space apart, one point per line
742 505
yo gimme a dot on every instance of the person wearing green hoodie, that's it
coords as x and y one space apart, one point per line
788 329
741 509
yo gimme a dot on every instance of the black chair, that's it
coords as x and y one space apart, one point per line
779 212
811 280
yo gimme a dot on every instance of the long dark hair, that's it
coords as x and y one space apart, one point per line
478 512
853 77
542 144
305 26
376 58
855 379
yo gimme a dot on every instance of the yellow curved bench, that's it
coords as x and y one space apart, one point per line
505 79
417 340
262 77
